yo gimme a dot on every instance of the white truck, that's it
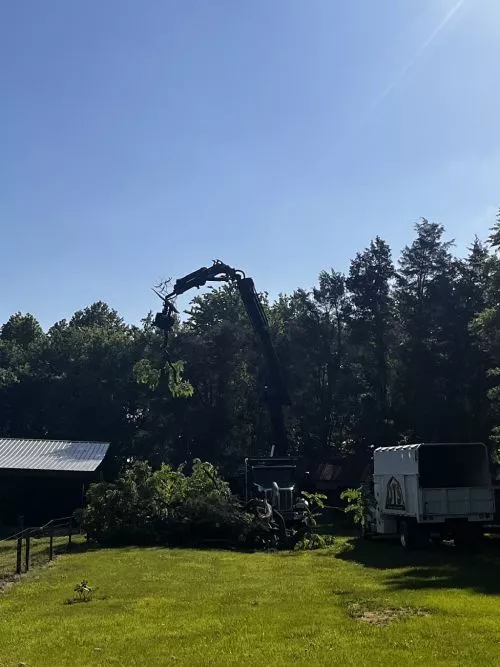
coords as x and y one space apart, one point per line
431 491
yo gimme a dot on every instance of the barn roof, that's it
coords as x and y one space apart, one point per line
62 455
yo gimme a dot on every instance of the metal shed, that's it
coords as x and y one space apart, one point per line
44 479
51 455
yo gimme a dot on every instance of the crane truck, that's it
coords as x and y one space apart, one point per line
273 477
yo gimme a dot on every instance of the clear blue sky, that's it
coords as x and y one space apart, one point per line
140 140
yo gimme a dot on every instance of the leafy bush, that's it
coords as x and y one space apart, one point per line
314 541
123 511
357 504
306 539
315 501
164 506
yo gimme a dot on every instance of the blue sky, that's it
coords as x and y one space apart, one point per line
141 140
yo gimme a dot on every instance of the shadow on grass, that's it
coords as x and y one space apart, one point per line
194 545
437 567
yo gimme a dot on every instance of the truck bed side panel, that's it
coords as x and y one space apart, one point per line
457 501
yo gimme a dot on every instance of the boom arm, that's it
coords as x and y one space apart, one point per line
276 392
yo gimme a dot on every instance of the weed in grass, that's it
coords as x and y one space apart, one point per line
83 593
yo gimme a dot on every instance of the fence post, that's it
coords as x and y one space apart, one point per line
27 554
19 554
51 545
70 534
20 528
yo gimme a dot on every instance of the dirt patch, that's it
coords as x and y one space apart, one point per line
382 616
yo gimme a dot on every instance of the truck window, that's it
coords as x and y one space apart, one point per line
453 466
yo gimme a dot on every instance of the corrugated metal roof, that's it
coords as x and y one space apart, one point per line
69 455
408 448
399 448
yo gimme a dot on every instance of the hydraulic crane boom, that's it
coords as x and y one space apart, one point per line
276 392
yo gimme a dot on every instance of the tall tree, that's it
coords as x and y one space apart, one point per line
470 361
22 330
372 329
424 292
485 327
98 314
21 375
225 418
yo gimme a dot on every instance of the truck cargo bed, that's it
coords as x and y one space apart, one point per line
461 501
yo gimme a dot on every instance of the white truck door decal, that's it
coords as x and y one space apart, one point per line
394 499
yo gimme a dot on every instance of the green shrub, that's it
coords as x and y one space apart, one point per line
315 501
314 541
357 504
163 506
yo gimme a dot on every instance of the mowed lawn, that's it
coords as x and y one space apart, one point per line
357 604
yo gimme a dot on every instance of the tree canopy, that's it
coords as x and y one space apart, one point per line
392 351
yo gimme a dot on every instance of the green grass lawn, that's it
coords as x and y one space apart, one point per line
160 606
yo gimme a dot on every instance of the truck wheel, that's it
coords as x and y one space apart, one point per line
413 536
407 535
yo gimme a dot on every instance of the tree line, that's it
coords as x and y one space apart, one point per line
393 351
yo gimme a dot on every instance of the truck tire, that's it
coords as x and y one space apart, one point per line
413 536
407 534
